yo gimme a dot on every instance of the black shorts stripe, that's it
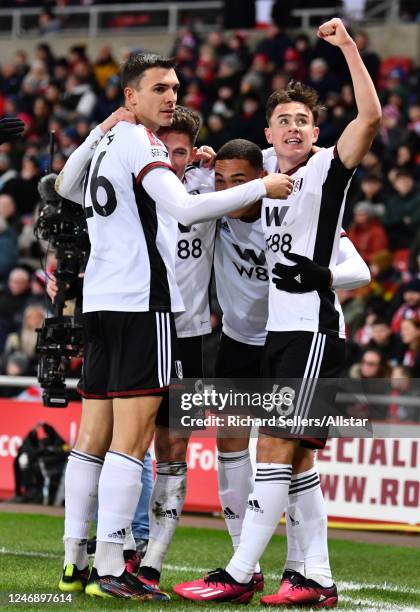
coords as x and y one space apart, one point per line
160 297
310 376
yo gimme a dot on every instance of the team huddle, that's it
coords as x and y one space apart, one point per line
269 224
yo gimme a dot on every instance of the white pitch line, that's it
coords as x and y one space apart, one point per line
376 604
342 585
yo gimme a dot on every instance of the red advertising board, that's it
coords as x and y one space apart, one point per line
373 482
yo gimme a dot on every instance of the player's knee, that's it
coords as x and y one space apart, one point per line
170 449
303 460
231 445
271 449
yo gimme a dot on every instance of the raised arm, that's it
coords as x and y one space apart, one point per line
357 138
69 183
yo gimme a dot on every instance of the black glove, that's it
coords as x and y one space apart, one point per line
10 129
305 276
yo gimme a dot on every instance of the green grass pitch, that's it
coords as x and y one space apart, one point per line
369 576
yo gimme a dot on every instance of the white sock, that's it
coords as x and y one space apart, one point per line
265 507
309 526
81 497
236 480
166 505
119 493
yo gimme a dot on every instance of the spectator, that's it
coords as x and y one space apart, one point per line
385 281
402 214
372 365
13 301
105 66
8 212
108 101
217 133
370 58
24 188
251 122
366 232
274 45
7 173
402 385
25 339
8 250
410 337
410 308
321 79
384 340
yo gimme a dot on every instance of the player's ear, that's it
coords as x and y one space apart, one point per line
315 135
193 154
268 135
129 95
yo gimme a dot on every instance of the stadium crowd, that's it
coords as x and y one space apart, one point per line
227 80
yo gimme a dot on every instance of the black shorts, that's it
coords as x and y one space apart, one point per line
127 354
237 360
307 356
190 352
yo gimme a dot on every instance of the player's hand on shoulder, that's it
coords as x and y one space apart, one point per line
121 114
205 155
334 32
279 186
303 277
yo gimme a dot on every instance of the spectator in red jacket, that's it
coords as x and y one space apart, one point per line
410 308
366 232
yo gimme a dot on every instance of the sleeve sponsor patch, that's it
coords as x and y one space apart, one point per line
159 153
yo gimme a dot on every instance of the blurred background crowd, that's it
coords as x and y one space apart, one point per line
227 79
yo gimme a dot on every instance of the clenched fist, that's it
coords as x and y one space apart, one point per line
334 32
279 186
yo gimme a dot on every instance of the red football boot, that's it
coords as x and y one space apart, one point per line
289 580
216 586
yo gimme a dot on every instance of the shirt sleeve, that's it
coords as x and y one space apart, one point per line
69 183
326 165
169 193
351 271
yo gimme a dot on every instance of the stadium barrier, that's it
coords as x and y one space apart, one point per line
368 483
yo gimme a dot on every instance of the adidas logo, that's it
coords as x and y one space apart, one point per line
298 278
172 514
254 506
292 520
120 534
229 514
225 227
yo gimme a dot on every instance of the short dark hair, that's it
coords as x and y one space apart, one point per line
185 121
295 92
403 173
241 149
137 63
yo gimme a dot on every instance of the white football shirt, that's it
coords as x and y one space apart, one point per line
131 266
193 262
242 279
307 223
